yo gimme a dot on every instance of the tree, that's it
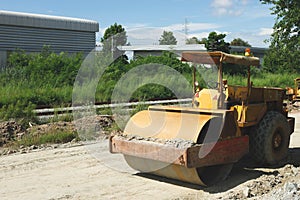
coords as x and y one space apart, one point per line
203 41
239 42
195 40
114 36
284 51
167 38
192 40
216 42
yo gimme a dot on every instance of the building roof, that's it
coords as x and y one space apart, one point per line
47 21
190 47
253 49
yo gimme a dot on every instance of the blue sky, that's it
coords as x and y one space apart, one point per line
145 21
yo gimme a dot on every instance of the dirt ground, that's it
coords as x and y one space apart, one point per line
77 171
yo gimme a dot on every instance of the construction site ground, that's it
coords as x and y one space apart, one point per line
87 171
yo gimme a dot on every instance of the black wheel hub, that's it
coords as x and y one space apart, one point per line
277 140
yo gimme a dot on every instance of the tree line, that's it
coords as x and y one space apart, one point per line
284 50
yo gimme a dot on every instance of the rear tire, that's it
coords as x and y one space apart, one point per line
269 142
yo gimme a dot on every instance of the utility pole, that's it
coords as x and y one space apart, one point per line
112 46
186 29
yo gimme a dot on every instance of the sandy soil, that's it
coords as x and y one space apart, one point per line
76 171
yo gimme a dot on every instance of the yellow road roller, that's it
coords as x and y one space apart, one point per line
199 144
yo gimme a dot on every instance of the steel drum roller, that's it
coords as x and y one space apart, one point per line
183 125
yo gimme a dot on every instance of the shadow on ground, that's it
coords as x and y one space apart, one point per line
243 171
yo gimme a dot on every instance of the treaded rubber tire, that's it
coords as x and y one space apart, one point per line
262 147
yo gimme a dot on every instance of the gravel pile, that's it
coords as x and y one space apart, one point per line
176 142
281 184
94 127
51 128
290 191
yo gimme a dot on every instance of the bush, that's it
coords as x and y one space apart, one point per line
44 78
148 92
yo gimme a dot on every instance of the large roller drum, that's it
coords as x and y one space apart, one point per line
181 128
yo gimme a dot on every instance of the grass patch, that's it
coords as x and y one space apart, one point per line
58 137
264 79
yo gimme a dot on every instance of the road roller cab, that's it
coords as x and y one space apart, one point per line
200 144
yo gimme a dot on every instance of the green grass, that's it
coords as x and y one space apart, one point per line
58 137
39 95
263 79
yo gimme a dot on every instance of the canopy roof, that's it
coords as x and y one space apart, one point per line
218 57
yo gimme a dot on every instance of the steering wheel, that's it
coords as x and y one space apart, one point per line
212 84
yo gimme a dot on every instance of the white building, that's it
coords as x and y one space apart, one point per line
156 50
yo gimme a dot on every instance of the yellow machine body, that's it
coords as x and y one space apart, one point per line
294 93
199 144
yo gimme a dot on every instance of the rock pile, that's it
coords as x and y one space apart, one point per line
93 127
279 184
51 128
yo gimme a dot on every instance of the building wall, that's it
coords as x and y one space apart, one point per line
3 58
32 39
30 32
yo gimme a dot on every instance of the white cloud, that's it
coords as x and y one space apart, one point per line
141 34
102 31
127 26
98 38
265 31
244 2
235 12
220 11
222 3
253 38
151 35
199 35
228 7
191 27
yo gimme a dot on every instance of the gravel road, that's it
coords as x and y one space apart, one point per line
76 171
